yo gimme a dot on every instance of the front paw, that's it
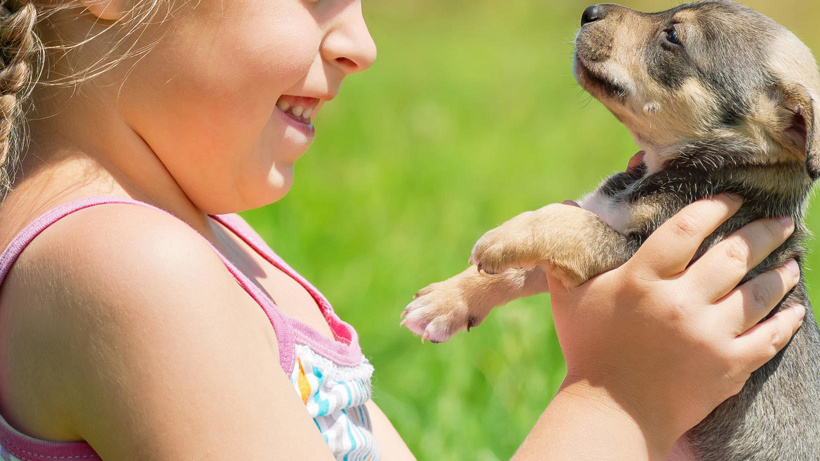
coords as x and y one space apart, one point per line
441 310
507 246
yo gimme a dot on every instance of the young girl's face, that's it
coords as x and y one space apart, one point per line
226 97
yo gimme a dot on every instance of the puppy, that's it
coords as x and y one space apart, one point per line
720 98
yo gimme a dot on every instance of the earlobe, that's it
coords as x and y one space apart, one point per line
109 10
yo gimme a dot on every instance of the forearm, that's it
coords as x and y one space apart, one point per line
583 423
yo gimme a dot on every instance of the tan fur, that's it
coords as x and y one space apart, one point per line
557 237
720 98
563 239
464 300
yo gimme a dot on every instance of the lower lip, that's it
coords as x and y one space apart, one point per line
580 70
305 128
587 78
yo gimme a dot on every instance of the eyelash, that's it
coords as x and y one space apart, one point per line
672 37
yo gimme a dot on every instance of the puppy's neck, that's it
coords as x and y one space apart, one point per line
655 157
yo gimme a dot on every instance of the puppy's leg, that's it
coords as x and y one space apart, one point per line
570 242
463 301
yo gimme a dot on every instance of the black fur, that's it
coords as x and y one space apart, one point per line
750 425
777 414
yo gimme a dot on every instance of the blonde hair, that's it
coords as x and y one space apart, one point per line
23 56
18 42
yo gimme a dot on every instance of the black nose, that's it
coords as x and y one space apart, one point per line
592 14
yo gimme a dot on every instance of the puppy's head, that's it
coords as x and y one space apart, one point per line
710 70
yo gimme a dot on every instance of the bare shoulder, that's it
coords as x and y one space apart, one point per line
158 352
121 260
118 242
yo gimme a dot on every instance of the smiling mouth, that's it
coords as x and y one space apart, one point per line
587 78
300 108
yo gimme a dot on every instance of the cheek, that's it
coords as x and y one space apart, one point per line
244 84
218 93
204 98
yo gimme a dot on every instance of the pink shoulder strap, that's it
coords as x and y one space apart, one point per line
284 334
344 349
27 448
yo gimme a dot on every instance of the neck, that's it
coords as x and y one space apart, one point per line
84 137
771 185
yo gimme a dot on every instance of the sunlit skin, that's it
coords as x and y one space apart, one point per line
139 331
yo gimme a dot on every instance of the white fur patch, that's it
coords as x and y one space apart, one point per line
615 215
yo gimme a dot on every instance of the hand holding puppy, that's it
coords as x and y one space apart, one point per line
655 345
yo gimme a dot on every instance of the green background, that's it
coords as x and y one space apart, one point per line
469 116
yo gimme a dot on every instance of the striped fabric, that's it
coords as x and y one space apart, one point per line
335 396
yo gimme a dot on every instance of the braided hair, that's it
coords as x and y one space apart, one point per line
17 45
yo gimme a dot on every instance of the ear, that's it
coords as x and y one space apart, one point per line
799 124
108 10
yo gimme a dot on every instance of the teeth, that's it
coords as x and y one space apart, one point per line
296 111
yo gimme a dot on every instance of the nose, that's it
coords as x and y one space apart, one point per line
348 44
593 13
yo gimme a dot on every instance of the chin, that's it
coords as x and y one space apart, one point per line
274 188
251 193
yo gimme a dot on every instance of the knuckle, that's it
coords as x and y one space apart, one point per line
677 309
761 295
738 370
686 226
736 383
736 250
777 341
636 277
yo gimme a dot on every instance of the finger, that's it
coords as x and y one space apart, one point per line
763 341
736 255
670 248
752 301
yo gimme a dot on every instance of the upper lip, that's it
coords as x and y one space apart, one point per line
324 97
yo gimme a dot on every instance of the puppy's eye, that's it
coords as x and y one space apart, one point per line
672 36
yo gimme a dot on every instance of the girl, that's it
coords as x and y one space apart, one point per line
138 320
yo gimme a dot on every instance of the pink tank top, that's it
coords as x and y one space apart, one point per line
332 376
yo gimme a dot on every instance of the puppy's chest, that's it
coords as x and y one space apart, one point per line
625 204
613 210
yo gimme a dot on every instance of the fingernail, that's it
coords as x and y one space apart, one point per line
793 268
732 196
786 221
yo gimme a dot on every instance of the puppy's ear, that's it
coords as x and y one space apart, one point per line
799 126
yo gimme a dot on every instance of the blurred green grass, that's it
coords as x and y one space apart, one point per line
470 116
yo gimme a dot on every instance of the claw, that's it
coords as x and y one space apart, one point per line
404 312
425 336
403 322
470 324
